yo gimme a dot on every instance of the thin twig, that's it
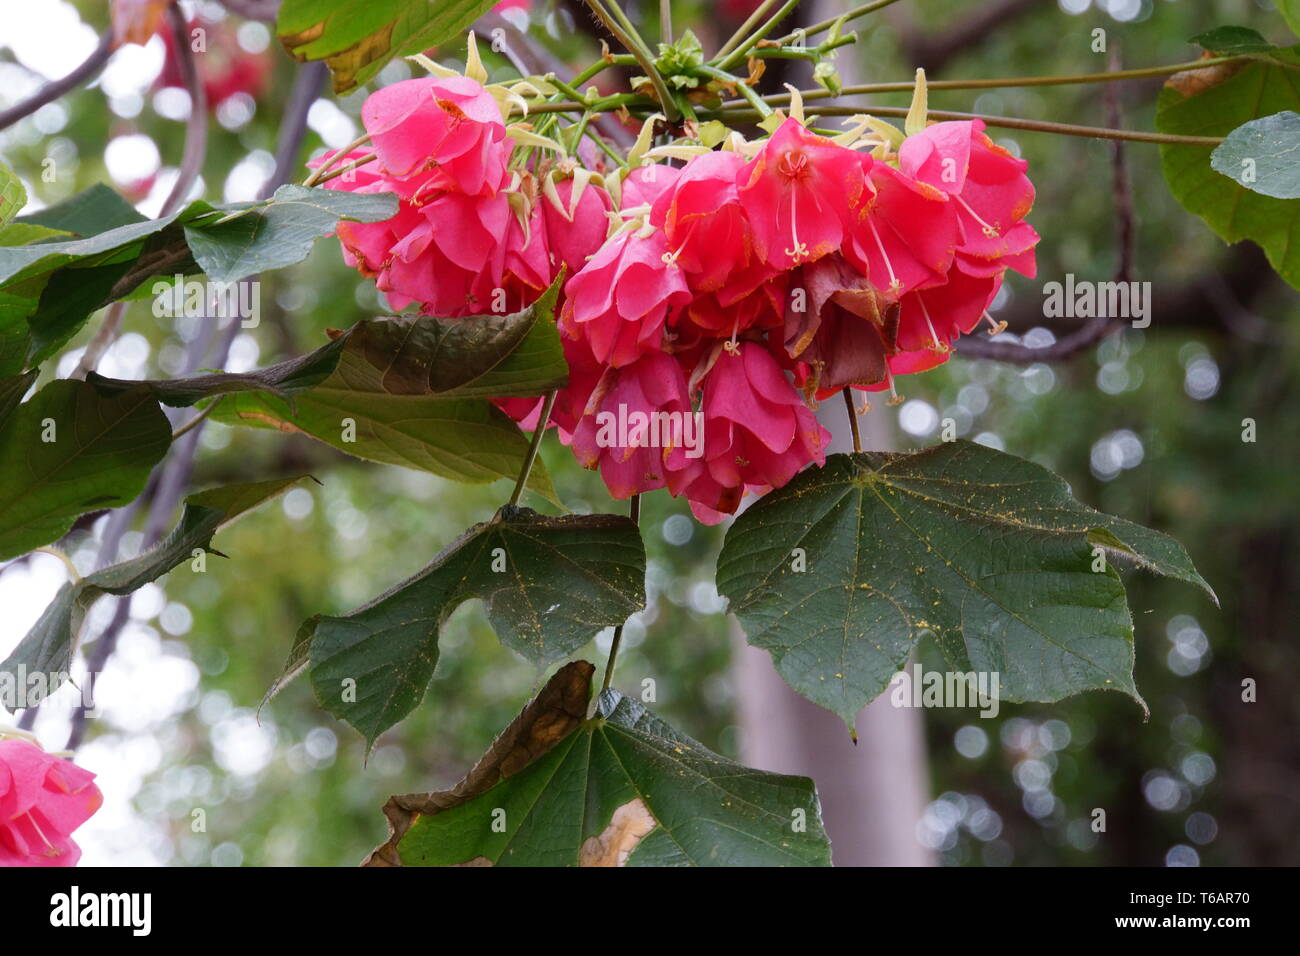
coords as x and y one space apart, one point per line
533 447
196 125
1098 327
852 409
634 512
848 15
1005 122
643 57
53 90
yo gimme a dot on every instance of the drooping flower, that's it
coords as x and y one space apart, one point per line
839 324
639 428
642 186
989 186
758 433
620 301
576 229
801 193
909 236
706 229
930 320
43 798
438 134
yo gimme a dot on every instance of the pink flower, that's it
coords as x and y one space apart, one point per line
576 230
932 319
757 431
988 184
701 217
43 798
840 325
639 428
438 134
908 238
619 302
801 193
643 185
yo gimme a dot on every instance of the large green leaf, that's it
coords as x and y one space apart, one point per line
1263 155
549 585
986 551
620 789
49 646
1216 102
12 195
415 387
357 39
102 449
258 237
90 211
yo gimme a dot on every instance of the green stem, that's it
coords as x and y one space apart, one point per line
742 50
193 422
741 86
811 54
634 512
665 21
643 58
572 92
605 148
1006 122
906 86
743 30
853 14
533 448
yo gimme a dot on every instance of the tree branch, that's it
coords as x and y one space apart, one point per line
55 88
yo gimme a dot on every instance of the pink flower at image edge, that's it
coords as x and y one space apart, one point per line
43 798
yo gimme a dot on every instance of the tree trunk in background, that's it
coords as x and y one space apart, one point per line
872 794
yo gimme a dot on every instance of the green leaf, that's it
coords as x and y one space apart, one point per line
51 643
1231 41
12 195
1215 102
986 551
12 390
357 39
549 585
1263 155
89 212
71 449
415 390
22 233
80 275
285 378
279 233
1290 10
620 789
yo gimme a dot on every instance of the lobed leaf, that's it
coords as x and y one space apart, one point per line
986 551
549 585
620 789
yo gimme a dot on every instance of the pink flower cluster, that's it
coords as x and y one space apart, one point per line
43 798
730 291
